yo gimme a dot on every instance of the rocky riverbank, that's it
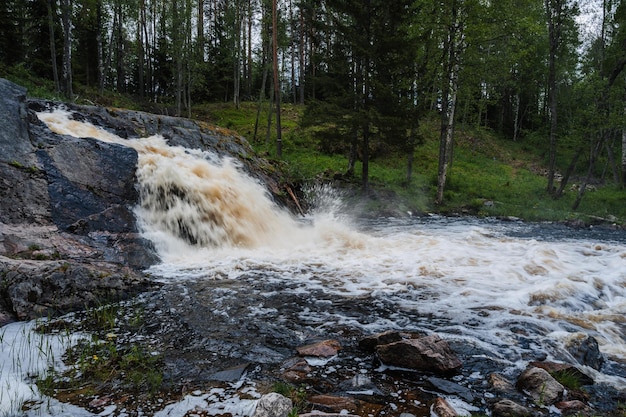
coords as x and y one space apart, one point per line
69 240
220 345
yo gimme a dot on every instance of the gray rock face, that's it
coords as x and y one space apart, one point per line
68 237
68 234
42 288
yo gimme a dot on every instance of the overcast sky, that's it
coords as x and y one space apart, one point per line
590 19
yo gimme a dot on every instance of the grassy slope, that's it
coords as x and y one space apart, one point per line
489 176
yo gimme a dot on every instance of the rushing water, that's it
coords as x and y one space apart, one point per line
508 287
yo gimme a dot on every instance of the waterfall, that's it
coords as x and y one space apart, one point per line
191 197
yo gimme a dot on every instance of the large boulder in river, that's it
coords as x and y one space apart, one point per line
428 353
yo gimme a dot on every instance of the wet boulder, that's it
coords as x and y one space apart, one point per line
44 288
370 343
500 384
452 388
429 353
540 386
565 371
273 405
322 349
585 350
508 408
575 408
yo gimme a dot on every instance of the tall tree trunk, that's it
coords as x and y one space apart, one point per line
554 12
270 114
261 98
292 53
237 53
453 48
611 158
250 60
624 149
119 42
516 118
301 63
53 52
200 33
357 77
595 149
279 140
66 19
100 46
140 45
569 172
410 154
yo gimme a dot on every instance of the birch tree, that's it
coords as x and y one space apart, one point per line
453 48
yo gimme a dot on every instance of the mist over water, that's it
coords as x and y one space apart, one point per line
509 287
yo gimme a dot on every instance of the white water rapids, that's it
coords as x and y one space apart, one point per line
470 280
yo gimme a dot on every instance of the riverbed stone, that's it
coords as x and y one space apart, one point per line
575 408
442 408
500 383
334 403
540 386
370 343
449 387
509 408
273 405
564 369
322 349
428 353
585 350
296 370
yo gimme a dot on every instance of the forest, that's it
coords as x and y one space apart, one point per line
367 73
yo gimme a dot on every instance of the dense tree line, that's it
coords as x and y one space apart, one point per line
368 71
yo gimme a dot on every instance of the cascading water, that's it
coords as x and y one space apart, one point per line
466 279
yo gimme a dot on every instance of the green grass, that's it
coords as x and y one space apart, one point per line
100 363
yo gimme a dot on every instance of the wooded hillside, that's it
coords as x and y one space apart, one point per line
369 72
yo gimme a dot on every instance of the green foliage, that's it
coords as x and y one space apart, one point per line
100 362
569 379
297 395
